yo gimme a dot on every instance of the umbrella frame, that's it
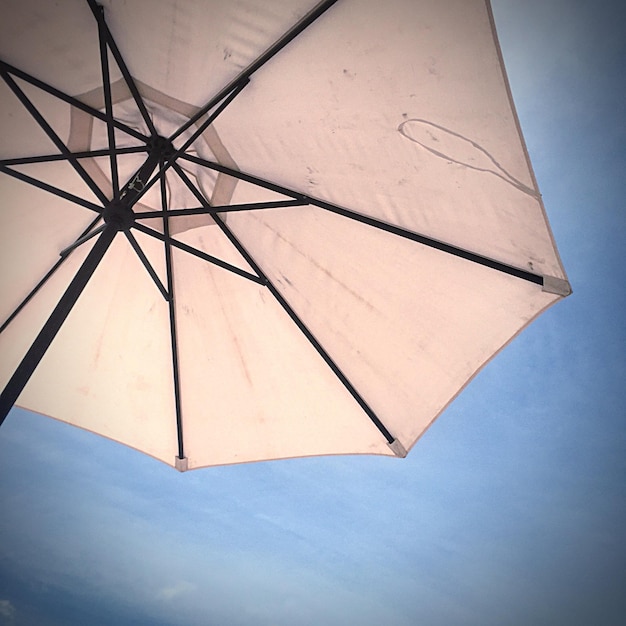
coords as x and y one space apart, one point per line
117 215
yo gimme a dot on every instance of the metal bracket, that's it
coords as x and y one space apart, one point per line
181 464
558 286
398 449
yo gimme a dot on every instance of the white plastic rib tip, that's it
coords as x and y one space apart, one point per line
397 448
181 464
558 286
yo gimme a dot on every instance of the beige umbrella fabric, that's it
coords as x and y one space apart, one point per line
397 239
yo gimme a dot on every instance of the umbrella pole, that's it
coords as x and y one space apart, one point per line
118 216
45 337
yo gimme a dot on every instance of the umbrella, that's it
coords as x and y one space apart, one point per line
245 230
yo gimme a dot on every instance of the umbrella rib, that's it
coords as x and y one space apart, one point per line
308 334
87 154
81 240
292 314
248 178
30 107
375 223
99 15
200 197
249 206
108 107
237 89
53 91
47 276
51 189
146 263
172 319
431 243
198 253
274 49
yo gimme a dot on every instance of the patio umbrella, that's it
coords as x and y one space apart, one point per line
236 230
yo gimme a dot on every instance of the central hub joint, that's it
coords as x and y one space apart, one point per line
161 146
118 214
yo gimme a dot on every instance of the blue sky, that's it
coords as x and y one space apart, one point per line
510 510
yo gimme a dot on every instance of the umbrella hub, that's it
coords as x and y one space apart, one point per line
161 146
119 214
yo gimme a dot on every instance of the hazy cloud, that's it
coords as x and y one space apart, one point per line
179 588
7 612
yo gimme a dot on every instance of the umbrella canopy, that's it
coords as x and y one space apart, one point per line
246 230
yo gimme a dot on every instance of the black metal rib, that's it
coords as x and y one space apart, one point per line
249 206
81 240
173 326
200 197
146 263
45 279
307 333
50 189
292 314
108 107
289 36
198 253
248 178
171 159
30 107
228 98
71 100
231 96
99 15
88 154
370 221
